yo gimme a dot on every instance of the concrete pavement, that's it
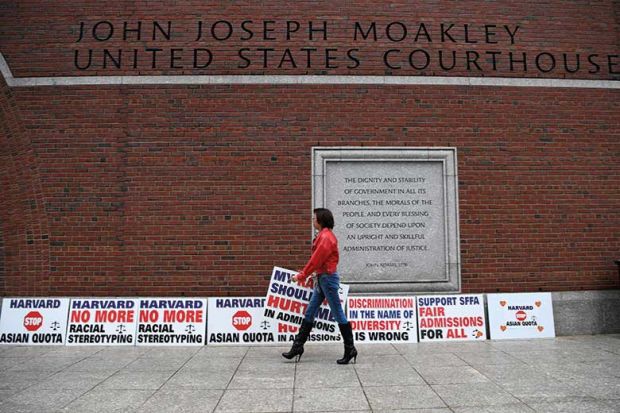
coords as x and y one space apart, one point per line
565 374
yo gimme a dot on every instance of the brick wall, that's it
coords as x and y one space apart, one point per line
25 262
201 190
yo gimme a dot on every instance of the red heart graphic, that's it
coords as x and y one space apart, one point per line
502 303
541 328
503 328
538 303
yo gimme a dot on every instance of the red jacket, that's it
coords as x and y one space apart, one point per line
324 259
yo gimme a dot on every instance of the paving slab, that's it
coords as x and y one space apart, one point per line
97 363
437 410
311 376
256 400
401 375
46 363
171 352
273 377
26 351
19 380
603 388
213 364
269 351
378 349
39 401
106 400
451 375
224 351
511 374
582 406
501 408
473 394
584 371
488 358
434 360
7 363
330 399
136 380
77 380
157 364
402 397
192 379
5 394
545 392
182 401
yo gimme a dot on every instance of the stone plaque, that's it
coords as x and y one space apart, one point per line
396 216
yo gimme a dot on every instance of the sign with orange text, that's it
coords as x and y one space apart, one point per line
451 317
524 315
239 321
102 321
287 302
387 319
34 321
171 322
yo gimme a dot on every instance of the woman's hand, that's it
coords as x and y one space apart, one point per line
294 278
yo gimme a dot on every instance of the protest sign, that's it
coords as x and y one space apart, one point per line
34 321
451 317
525 315
171 322
383 319
102 321
239 320
287 301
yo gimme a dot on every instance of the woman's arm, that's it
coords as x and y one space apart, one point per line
320 254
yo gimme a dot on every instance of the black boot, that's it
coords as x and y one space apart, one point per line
300 340
350 352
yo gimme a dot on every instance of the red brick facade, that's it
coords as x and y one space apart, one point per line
202 189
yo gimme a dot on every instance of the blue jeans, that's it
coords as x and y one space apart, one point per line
327 286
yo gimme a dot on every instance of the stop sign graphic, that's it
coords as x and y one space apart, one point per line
242 320
521 315
33 321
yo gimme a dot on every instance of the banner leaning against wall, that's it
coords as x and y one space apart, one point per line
34 321
102 321
239 321
169 321
523 315
451 318
383 319
286 302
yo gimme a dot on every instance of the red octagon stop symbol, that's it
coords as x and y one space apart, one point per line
242 320
521 315
33 321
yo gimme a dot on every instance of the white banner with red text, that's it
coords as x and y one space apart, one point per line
520 315
451 318
377 319
287 301
33 321
102 322
171 321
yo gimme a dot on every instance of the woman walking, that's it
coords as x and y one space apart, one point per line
323 262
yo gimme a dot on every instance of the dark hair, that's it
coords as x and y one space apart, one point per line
324 217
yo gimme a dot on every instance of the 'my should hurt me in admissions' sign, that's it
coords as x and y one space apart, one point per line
102 321
287 302
34 321
171 322
451 317
383 319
